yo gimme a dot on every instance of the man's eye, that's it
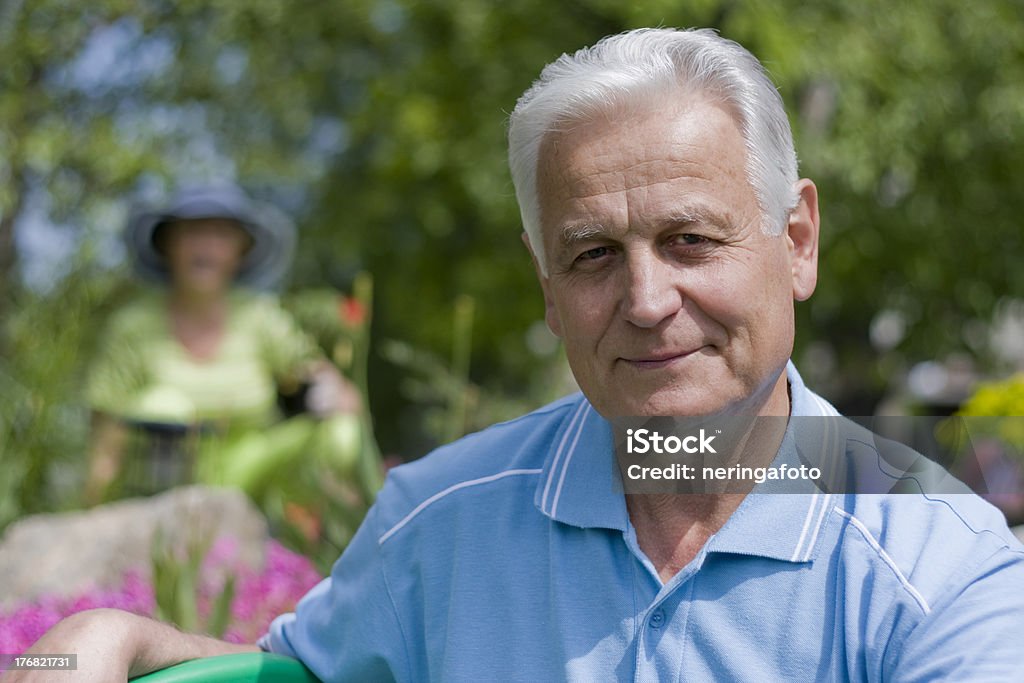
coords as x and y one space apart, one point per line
592 254
690 243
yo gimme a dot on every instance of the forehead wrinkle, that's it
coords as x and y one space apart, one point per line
638 175
585 170
602 165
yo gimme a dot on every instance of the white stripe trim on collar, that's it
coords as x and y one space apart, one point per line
826 501
559 451
568 458
807 525
815 511
825 407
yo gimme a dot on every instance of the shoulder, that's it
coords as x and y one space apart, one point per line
139 317
251 304
505 455
933 546
934 583
261 315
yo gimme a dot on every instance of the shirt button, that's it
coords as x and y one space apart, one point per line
657 619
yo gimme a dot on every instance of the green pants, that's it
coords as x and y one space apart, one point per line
254 459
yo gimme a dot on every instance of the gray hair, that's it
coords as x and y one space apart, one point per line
642 65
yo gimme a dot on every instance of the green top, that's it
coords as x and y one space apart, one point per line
143 371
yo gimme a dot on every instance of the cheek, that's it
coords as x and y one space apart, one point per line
177 256
228 254
554 320
581 315
751 294
770 307
234 258
729 296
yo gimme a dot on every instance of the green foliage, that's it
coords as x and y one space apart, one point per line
442 390
320 512
341 326
177 573
997 409
909 117
43 421
379 124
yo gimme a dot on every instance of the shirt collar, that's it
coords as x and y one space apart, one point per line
580 485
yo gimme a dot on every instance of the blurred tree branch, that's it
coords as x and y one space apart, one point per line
379 125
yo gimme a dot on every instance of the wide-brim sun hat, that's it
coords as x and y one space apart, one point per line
273 235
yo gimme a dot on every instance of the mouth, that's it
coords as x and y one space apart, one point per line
204 266
658 359
203 262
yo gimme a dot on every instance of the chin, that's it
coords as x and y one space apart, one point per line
679 407
671 402
651 406
207 287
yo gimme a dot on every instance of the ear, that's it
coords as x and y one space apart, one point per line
802 234
550 312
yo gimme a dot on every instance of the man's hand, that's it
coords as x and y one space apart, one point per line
112 645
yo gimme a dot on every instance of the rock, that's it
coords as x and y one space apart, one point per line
67 554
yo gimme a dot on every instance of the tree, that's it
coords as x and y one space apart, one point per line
379 124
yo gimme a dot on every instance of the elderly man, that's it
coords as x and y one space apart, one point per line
670 232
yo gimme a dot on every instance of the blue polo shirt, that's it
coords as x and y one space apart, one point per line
509 556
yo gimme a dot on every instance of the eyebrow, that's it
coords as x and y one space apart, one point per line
575 233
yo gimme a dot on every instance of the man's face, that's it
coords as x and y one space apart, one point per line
667 294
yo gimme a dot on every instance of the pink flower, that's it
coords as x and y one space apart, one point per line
259 596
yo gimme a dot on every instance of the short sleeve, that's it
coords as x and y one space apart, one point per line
347 627
118 370
285 347
974 633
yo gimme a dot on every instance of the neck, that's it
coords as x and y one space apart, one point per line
197 305
680 514
769 400
671 529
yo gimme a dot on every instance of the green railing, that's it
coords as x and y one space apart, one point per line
255 667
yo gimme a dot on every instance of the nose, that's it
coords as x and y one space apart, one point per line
651 293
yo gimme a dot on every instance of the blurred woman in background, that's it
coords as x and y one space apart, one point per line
199 362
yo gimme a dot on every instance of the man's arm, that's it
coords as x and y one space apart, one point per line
113 645
973 633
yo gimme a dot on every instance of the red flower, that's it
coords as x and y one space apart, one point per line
351 311
302 518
